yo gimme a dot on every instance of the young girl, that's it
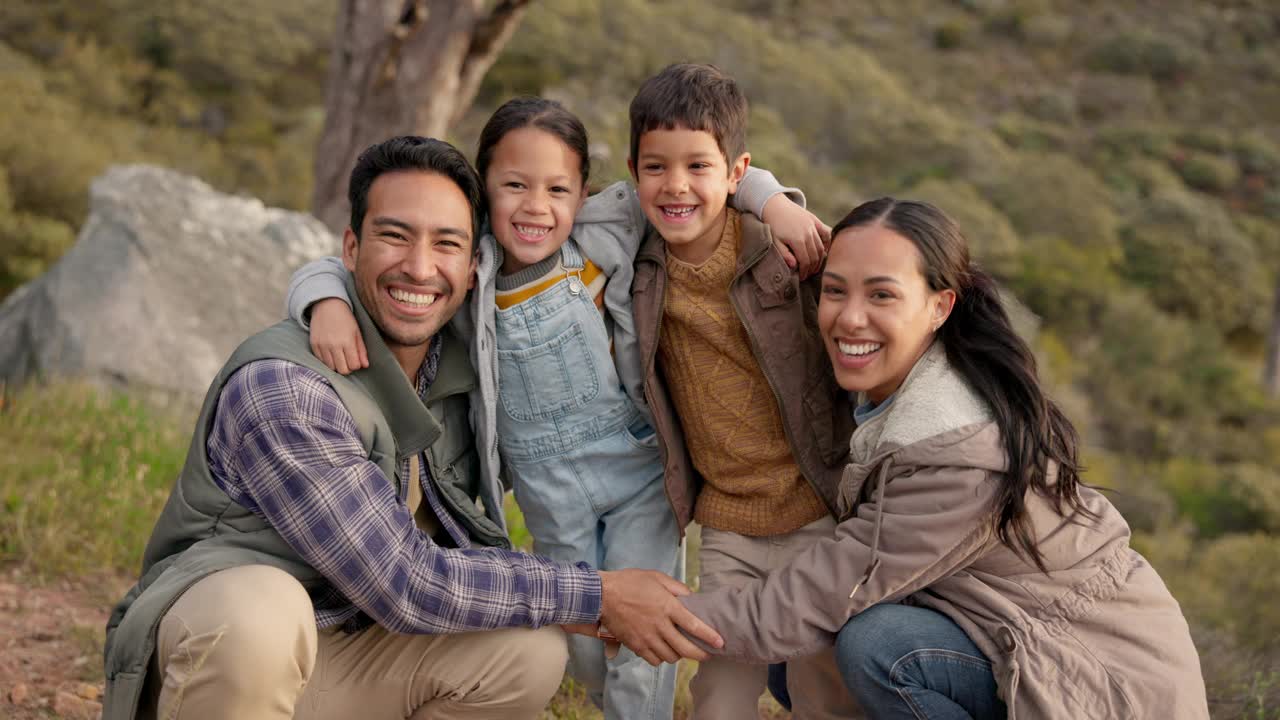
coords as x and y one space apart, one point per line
973 575
553 299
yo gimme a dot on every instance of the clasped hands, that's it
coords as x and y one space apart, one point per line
642 610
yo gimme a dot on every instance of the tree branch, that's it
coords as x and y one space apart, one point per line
488 38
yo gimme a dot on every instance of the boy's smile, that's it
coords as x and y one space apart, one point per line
684 181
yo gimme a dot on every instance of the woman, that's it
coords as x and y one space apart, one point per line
972 574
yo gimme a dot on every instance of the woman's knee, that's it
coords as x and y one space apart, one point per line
873 641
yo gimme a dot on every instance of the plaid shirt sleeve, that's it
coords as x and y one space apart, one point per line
284 446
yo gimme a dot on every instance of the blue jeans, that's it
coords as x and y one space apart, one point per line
910 662
586 470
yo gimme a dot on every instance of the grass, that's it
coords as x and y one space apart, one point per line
83 474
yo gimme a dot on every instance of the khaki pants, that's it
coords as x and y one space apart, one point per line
243 643
728 690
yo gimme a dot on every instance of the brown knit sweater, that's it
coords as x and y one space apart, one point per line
727 409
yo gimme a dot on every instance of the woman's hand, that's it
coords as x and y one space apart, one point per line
801 238
335 336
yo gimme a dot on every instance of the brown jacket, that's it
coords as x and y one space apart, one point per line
1099 636
780 315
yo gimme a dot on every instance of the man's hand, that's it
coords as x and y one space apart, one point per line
641 610
801 238
335 337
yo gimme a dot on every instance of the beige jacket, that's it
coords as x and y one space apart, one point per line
1099 636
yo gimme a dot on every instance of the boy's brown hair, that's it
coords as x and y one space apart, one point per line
695 97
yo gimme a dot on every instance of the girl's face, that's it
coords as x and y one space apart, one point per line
534 184
877 314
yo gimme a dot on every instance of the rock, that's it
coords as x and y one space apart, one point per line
72 707
88 691
18 693
165 279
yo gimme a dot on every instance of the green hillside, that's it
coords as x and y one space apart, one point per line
1117 165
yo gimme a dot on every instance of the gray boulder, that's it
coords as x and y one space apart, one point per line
166 278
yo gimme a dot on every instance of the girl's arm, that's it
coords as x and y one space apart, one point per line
317 300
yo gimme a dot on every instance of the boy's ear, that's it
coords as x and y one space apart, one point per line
737 170
631 165
350 249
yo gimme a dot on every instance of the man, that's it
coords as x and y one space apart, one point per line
322 554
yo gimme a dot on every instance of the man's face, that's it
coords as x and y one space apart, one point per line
412 263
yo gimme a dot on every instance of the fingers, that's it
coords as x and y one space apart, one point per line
683 645
824 232
364 353
672 585
690 623
350 359
787 256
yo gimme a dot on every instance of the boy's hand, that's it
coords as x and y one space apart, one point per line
800 236
335 336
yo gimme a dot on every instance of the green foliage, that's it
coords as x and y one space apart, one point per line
1193 260
83 475
1207 172
953 34
1145 53
992 239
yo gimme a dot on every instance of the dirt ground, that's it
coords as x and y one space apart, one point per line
51 645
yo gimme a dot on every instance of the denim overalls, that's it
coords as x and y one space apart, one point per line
586 468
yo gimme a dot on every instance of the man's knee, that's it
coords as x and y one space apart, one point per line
248 629
537 660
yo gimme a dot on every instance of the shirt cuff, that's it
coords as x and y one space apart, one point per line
579 595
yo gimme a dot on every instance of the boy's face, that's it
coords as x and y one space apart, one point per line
684 181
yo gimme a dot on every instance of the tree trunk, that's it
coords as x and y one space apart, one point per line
1271 372
401 67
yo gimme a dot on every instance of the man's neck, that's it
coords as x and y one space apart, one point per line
411 357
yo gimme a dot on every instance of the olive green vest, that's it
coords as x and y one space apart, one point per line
201 530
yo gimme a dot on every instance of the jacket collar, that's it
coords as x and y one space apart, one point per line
756 239
413 426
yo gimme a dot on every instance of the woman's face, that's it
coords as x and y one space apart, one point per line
877 313
534 185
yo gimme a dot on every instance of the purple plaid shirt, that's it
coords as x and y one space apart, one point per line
284 446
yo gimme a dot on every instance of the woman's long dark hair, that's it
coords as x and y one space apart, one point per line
983 347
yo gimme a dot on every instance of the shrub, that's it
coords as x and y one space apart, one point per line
1208 173
1190 256
952 34
1145 53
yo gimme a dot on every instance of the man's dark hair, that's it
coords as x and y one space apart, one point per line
414 152
694 97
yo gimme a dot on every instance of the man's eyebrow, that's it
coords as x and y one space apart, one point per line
393 222
447 230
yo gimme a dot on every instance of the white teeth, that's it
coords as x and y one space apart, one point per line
859 348
532 230
413 298
679 212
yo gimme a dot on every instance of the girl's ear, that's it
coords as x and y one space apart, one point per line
737 170
631 165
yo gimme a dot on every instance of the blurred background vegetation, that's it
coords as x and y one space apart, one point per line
1117 165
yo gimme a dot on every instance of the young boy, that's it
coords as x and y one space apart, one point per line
752 426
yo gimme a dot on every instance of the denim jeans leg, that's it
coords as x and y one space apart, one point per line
914 663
